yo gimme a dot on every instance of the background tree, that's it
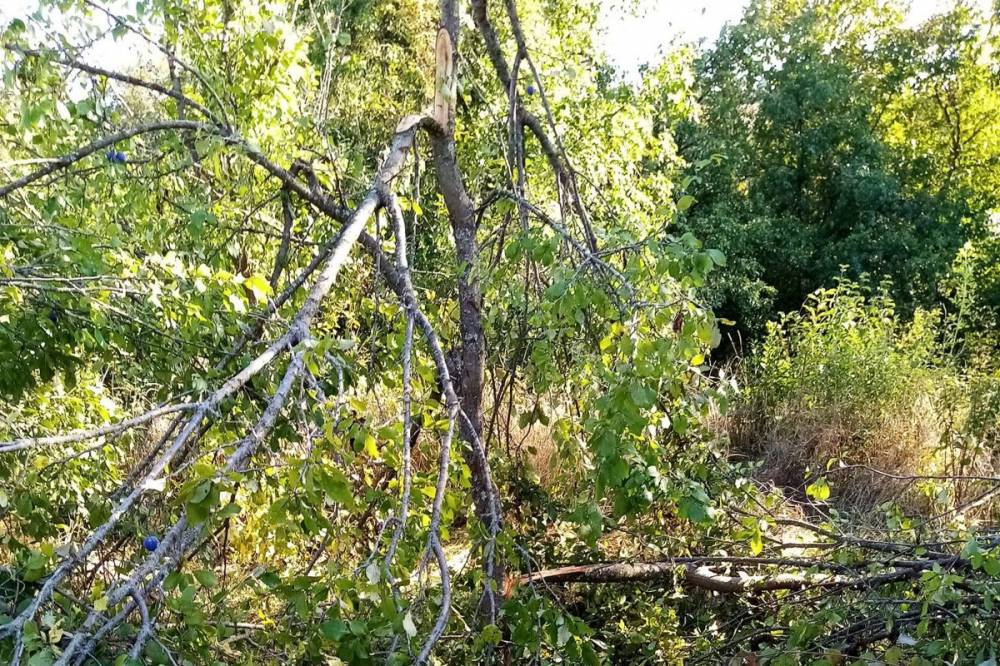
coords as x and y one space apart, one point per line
833 137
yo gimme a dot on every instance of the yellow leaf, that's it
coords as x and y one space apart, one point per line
371 447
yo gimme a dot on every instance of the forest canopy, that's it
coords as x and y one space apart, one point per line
349 332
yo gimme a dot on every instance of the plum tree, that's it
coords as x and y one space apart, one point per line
375 370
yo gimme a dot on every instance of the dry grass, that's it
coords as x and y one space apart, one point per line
795 441
927 433
845 387
533 445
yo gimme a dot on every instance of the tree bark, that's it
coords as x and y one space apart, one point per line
700 572
470 350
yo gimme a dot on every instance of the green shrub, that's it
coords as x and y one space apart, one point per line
847 380
847 348
974 288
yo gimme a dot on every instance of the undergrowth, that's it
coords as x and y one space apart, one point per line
848 391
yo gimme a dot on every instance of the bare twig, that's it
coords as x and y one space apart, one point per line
23 443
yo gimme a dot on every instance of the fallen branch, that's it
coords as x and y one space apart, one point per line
296 331
700 572
107 141
93 433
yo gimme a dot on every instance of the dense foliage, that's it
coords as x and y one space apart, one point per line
835 137
357 332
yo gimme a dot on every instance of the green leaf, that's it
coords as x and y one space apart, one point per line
563 635
685 202
694 510
818 490
270 579
206 578
642 396
702 262
336 486
408 626
617 471
43 657
334 630
679 423
717 256
490 634
756 543
200 492
197 513
198 220
590 657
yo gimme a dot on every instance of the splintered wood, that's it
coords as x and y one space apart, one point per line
444 81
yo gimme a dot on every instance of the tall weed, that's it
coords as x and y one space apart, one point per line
845 382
